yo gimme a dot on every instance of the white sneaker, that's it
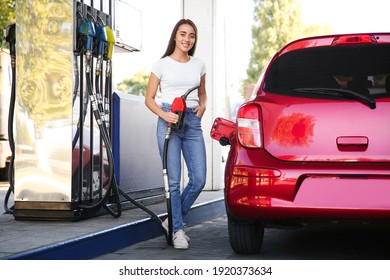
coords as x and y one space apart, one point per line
165 226
179 240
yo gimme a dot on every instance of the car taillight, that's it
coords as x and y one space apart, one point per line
249 127
354 39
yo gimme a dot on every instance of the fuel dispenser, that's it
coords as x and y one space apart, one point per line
59 153
63 164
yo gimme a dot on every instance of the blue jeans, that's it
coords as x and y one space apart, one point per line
189 140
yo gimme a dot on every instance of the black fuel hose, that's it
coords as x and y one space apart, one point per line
166 185
99 97
111 182
107 100
76 77
105 112
85 101
11 39
106 141
11 175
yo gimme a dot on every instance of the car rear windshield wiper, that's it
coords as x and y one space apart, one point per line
368 100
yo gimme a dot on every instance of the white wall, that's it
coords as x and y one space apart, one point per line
203 13
156 29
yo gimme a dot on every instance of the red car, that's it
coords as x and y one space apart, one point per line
314 142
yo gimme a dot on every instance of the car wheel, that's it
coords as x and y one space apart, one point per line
245 237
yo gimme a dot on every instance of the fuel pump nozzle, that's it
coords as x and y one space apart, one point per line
111 41
87 28
9 34
179 107
101 35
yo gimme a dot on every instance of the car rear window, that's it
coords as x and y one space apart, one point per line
361 68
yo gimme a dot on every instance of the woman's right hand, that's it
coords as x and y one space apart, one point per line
170 117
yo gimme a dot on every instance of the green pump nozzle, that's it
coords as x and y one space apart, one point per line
101 35
87 28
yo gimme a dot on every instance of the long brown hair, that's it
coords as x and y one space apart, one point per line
172 43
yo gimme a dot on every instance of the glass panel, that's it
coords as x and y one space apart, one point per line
43 109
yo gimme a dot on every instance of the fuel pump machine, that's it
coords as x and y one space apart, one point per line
63 167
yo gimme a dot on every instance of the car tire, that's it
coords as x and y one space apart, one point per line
245 237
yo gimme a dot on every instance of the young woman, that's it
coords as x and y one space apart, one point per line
175 73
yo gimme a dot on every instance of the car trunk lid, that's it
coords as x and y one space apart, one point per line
316 130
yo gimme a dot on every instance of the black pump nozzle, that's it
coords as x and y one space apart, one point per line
9 33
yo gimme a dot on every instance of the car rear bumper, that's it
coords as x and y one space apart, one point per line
315 197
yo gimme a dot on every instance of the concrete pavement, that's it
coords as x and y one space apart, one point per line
94 237
208 242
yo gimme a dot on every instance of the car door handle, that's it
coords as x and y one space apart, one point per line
352 143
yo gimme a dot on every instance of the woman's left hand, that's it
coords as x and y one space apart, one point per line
200 111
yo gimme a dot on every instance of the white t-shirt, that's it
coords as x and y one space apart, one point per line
177 77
